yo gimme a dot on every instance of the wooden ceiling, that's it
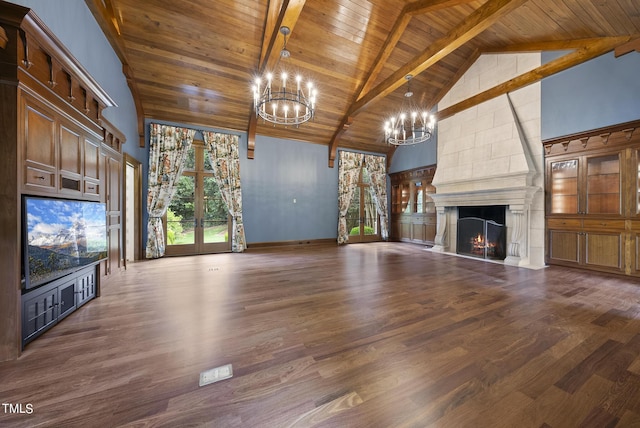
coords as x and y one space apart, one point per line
194 62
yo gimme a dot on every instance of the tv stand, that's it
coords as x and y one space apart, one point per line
44 306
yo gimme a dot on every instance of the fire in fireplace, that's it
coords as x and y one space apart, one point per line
482 237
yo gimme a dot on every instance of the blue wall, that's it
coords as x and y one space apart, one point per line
281 171
415 156
604 91
73 24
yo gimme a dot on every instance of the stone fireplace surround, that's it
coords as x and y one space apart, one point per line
491 154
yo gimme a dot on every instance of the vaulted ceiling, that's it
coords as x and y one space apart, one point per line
194 62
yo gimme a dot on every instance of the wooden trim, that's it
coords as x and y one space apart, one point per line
113 137
4 39
594 50
633 45
51 44
295 243
620 134
137 208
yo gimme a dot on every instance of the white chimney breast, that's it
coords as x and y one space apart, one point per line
491 154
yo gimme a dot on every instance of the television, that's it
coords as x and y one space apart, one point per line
61 236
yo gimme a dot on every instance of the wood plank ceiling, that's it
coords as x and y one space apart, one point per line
194 62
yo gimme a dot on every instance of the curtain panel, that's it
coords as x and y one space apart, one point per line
168 149
348 175
377 168
224 155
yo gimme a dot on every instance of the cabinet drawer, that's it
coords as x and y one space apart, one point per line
91 188
562 223
604 224
40 178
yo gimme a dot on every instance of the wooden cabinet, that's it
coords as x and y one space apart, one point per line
113 173
58 156
52 134
413 211
43 307
592 200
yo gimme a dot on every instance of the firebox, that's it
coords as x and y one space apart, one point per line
481 232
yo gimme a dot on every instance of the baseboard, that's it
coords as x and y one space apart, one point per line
297 243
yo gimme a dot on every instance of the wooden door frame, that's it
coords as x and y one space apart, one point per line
137 207
198 246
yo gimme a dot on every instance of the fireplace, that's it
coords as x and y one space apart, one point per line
482 232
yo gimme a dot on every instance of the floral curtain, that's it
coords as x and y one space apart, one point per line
168 148
348 175
377 168
223 153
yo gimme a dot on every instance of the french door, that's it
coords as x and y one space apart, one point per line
197 220
363 221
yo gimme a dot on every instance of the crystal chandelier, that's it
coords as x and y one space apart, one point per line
410 126
289 105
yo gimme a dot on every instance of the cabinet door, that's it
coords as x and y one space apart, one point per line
39 149
86 286
603 185
67 298
604 250
564 246
563 187
39 313
70 156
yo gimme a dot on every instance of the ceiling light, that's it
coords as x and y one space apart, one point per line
292 104
410 125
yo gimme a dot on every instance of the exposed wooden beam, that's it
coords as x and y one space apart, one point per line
333 146
543 45
586 53
288 15
410 10
633 45
470 27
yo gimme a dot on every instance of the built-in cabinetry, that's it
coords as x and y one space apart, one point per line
46 305
54 144
413 211
593 199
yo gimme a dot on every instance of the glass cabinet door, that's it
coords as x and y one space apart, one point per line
603 185
406 195
564 187
418 198
429 205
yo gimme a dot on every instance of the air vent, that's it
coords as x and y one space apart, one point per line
216 374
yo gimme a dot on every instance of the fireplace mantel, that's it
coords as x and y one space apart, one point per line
516 198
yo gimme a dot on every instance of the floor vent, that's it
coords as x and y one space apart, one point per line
216 374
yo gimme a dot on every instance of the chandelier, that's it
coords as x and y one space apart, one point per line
410 126
288 105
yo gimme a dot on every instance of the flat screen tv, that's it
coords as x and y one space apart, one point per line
60 237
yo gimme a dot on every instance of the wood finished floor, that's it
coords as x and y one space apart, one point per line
370 335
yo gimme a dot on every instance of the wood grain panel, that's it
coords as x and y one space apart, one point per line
70 147
603 249
564 246
91 159
194 62
40 147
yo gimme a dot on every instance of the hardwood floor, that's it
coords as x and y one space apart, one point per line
370 335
